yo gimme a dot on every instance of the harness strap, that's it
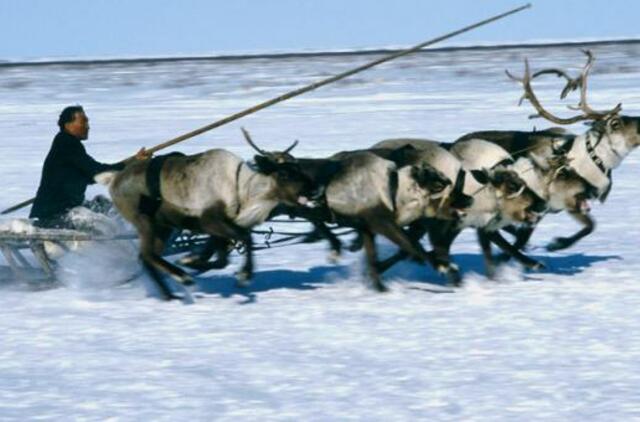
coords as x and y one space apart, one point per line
238 186
149 205
458 186
393 187
592 153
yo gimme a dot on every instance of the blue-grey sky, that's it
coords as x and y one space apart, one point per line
65 28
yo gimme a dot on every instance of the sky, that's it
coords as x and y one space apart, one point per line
107 28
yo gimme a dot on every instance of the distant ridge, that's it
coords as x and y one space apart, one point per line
285 55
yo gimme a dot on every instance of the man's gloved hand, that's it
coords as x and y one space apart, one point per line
143 154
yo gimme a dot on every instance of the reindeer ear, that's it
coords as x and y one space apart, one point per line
423 173
416 172
481 176
264 164
402 154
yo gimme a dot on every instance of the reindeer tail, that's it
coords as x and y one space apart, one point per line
106 177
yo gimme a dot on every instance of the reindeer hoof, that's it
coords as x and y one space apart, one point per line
454 278
188 260
558 243
380 288
333 257
451 272
243 279
537 266
185 280
356 244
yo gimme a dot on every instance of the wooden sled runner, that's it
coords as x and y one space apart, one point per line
29 261
28 254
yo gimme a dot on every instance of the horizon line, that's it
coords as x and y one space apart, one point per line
303 54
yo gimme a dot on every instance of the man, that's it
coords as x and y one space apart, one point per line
67 171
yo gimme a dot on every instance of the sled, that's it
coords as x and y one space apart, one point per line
28 258
27 254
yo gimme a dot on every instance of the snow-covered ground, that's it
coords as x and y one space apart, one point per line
307 341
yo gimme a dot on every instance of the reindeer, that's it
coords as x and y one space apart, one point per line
377 197
214 192
447 199
590 157
500 197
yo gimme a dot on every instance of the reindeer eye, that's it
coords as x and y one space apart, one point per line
437 186
616 124
512 187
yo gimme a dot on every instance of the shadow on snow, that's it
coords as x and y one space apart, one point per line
262 281
474 263
225 285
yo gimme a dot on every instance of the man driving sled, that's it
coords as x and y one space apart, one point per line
67 171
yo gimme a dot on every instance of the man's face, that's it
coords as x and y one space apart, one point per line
79 126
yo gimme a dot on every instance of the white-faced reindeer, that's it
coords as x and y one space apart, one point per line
214 192
590 157
500 197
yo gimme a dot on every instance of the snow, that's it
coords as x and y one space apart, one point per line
308 340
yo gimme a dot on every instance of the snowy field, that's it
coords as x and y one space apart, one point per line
308 341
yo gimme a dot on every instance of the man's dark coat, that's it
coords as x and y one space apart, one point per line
67 171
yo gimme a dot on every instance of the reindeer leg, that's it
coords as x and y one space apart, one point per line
222 253
247 269
324 231
157 277
564 242
414 249
152 238
485 245
523 234
395 234
215 222
415 233
317 218
368 241
502 243
200 261
357 243
441 235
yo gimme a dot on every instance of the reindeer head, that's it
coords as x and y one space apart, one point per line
517 202
568 191
435 183
293 187
623 131
440 174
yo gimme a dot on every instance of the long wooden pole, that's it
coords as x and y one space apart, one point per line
313 86
331 79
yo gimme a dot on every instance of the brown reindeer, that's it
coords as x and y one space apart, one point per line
214 192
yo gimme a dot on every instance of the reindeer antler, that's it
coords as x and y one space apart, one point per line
572 84
276 156
250 141
286 151
581 82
